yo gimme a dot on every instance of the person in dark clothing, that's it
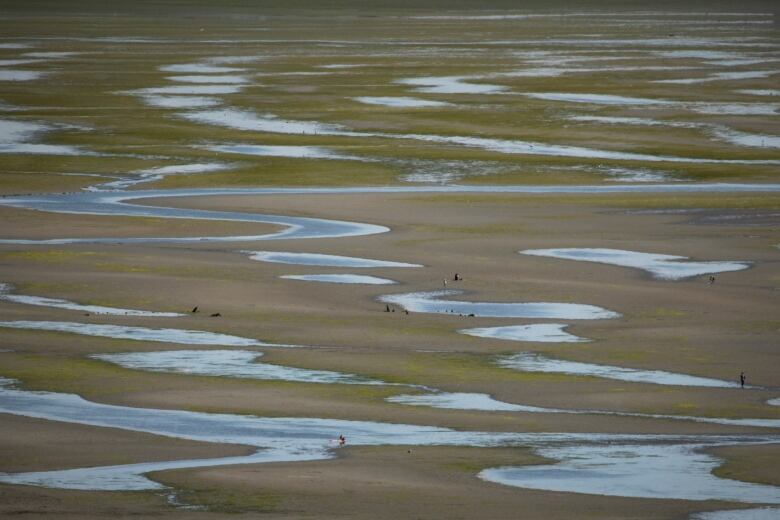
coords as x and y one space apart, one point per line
742 379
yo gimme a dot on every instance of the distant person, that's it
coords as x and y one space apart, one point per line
387 308
194 310
445 282
742 379
342 440
457 277
712 279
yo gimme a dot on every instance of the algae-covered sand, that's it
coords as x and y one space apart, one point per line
199 95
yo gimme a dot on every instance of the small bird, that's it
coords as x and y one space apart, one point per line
194 309
216 315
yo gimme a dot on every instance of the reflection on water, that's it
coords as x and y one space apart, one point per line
664 267
483 402
432 302
228 363
761 513
290 439
296 152
321 260
452 85
341 278
97 203
537 363
630 470
401 102
16 137
187 337
65 304
536 332
218 80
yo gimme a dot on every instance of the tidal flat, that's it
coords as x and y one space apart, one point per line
155 330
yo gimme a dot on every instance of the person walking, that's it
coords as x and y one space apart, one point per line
742 379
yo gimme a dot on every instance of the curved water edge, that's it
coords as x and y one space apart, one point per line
295 152
431 302
21 137
183 336
297 439
242 364
535 332
198 68
704 107
719 132
485 403
5 294
246 120
118 204
401 102
322 260
352 279
113 203
158 173
527 362
661 266
681 472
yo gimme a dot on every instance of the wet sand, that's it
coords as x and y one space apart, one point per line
41 445
137 122
390 482
687 326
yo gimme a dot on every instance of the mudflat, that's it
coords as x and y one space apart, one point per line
504 130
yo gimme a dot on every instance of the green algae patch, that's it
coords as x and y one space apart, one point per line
287 172
219 499
51 256
662 312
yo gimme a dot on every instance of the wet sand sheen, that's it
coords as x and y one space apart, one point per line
249 121
318 259
432 302
535 332
5 290
244 364
291 439
340 278
764 513
485 403
663 267
186 337
452 53
119 203
642 471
